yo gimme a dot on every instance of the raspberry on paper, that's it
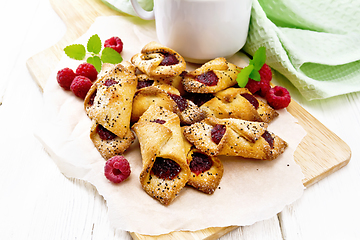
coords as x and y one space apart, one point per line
80 86
278 97
253 86
265 73
65 77
114 43
117 169
87 70
261 87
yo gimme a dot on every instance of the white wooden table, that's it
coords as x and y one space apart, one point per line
38 202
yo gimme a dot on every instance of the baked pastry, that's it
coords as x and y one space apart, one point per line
238 103
107 143
206 171
168 97
109 100
159 61
234 137
165 171
146 81
213 76
145 97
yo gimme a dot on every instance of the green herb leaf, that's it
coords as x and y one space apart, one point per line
259 58
255 75
243 77
75 51
96 61
109 55
94 44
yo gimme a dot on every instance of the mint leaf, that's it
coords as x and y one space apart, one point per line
96 61
109 55
75 51
94 44
259 58
255 75
243 77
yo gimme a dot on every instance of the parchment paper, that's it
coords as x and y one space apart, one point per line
250 191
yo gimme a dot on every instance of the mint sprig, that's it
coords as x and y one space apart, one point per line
252 70
93 48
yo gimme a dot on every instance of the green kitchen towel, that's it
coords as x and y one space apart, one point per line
314 44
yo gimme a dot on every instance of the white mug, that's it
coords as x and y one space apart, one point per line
200 30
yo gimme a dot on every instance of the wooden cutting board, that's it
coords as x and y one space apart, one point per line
319 154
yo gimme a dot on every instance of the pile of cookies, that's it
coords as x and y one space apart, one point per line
183 119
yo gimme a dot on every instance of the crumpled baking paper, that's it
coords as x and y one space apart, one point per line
250 191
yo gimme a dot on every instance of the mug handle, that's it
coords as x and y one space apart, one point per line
146 15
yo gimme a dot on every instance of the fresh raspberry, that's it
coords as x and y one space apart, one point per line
261 87
253 86
114 43
278 97
264 88
87 70
80 86
117 169
65 77
265 73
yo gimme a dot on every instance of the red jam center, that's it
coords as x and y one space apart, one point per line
199 98
217 133
251 99
144 84
267 136
168 60
200 163
110 82
92 97
160 121
165 168
208 78
104 134
180 101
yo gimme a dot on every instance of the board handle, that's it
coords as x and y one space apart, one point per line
146 15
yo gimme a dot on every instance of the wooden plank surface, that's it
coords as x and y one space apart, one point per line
320 153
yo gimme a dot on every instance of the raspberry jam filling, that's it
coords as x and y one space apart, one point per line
180 101
200 163
160 121
168 60
199 98
267 136
251 99
110 82
217 133
144 84
92 97
165 168
208 78
104 134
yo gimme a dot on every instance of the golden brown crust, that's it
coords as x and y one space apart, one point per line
150 58
226 73
232 103
161 141
191 114
242 138
145 97
112 105
266 112
175 82
111 147
209 180
163 95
